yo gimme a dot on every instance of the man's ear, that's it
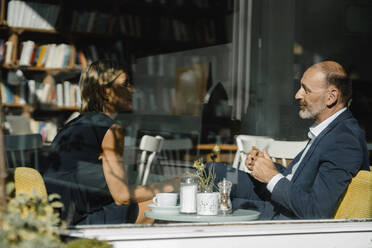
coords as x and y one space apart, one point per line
333 96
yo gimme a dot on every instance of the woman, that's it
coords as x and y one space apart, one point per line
86 161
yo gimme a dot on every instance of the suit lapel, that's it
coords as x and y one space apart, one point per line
288 170
343 116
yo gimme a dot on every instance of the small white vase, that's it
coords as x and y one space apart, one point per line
207 203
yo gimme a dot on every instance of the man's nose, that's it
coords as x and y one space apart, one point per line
298 95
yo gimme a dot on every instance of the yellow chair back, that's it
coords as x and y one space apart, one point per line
27 180
357 201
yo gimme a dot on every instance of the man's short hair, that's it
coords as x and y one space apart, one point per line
336 75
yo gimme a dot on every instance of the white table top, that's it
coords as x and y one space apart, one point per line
238 215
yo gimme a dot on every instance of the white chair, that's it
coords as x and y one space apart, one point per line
175 157
284 150
149 146
244 145
19 149
18 124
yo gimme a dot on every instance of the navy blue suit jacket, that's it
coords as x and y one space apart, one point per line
335 156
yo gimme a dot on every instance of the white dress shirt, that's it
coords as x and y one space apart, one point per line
314 131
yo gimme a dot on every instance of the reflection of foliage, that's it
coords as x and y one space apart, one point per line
206 176
31 221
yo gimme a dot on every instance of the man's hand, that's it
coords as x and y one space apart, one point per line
251 157
261 166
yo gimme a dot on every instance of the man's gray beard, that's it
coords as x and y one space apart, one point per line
305 114
308 114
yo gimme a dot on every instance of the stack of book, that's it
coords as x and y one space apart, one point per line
47 55
68 95
32 14
64 94
92 22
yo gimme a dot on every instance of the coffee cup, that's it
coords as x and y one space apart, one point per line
165 199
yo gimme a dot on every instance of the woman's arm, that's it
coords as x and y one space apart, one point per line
112 162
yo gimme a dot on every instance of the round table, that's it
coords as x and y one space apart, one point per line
238 215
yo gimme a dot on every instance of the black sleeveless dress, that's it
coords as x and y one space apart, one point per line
75 173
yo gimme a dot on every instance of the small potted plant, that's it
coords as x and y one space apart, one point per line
207 200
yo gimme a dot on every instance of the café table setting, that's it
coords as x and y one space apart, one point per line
193 206
197 200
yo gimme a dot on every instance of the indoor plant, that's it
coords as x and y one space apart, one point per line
206 175
207 200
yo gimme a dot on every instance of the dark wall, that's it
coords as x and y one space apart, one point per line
320 30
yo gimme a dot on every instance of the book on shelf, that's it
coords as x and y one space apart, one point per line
20 12
7 95
40 57
122 25
46 91
60 97
50 56
47 129
34 54
32 14
78 96
93 53
22 93
67 94
13 88
26 53
31 85
8 52
10 13
67 53
57 61
92 19
43 56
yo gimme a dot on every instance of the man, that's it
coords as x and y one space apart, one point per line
313 184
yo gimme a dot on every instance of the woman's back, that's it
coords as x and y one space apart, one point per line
74 170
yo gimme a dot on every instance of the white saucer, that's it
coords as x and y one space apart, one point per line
165 210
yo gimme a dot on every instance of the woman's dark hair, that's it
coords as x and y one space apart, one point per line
93 80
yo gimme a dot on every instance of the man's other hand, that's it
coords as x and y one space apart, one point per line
262 168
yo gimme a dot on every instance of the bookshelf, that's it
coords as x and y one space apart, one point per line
75 33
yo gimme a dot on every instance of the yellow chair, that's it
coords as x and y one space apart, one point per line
27 180
357 201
